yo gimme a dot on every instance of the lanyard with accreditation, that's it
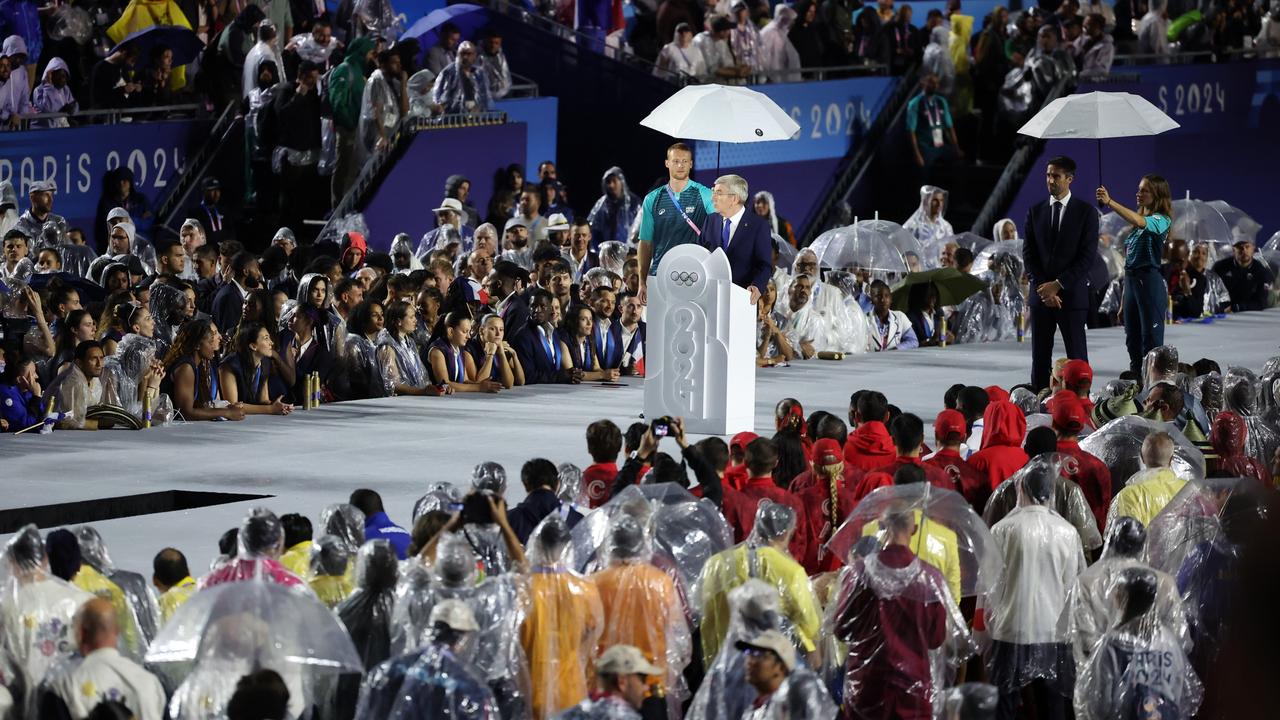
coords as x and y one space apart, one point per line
675 200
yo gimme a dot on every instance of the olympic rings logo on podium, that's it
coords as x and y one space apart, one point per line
686 279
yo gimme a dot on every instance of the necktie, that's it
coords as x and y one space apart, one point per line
1057 218
724 235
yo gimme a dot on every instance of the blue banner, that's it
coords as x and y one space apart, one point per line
831 114
77 158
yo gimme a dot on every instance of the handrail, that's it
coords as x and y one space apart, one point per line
114 115
405 131
860 159
197 165
1015 171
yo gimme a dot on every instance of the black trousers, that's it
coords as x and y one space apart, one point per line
1044 322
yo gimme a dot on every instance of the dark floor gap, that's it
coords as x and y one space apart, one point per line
112 508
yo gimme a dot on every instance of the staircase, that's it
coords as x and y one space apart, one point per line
226 134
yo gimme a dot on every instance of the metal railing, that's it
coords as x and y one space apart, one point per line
197 165
110 116
1015 171
1179 57
860 160
380 159
625 56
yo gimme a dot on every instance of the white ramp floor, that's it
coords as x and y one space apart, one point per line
397 445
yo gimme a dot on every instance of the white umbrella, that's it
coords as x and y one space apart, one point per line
721 113
1097 116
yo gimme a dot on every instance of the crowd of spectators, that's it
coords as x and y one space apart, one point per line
1025 555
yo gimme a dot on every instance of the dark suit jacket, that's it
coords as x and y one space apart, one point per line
1069 257
228 306
515 315
538 368
750 250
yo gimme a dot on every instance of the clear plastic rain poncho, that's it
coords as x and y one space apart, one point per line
825 319
847 248
137 589
950 535
168 307
380 104
1118 445
377 18
685 532
421 83
36 614
401 365
572 490
367 615
441 685
500 605
613 256
561 631
1042 557
258 546
486 539
992 315
801 695
923 223
1090 610
402 254
970 701
327 570
1208 390
642 605
759 557
440 496
122 373
346 522
237 628
1138 668
904 633
1241 391
753 608
1197 538
1068 501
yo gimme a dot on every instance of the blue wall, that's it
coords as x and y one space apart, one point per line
831 114
1226 149
77 158
539 116
415 184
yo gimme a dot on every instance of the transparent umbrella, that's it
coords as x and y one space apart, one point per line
1197 221
1273 243
1113 260
1118 444
951 535
1243 227
1111 229
897 236
255 617
990 255
851 247
786 252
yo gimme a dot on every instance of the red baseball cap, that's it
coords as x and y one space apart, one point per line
742 440
1067 412
827 452
949 426
996 393
1076 372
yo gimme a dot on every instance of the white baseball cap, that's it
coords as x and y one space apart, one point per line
777 643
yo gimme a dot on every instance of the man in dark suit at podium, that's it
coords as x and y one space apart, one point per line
743 235
1060 248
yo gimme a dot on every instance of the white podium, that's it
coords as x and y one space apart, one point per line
700 350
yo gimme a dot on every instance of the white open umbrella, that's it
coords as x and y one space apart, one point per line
721 113
1097 116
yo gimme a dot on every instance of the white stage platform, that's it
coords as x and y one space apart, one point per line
396 446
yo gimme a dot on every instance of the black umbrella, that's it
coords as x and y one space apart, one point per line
88 290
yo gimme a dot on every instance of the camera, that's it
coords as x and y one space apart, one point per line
475 508
661 427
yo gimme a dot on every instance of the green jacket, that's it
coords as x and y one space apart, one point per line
346 84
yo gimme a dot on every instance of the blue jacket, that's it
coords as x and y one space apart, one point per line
379 527
19 408
750 250
539 368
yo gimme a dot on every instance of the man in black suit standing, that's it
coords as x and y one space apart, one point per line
743 235
1060 248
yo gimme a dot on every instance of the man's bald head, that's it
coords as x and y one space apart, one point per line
96 626
1157 450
